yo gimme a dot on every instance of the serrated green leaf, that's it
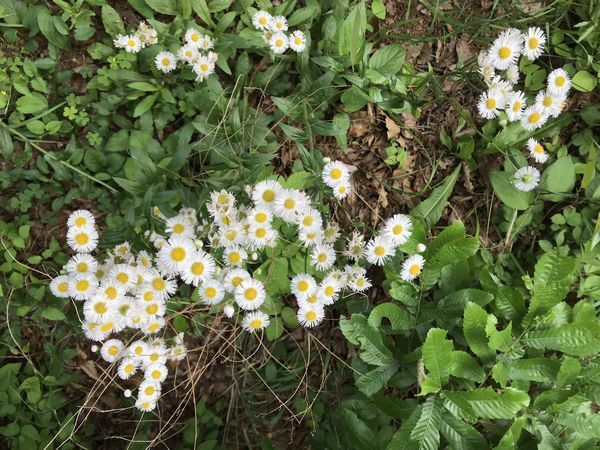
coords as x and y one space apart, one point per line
511 437
426 432
578 339
398 317
463 365
568 372
474 322
490 404
430 210
371 382
461 436
437 355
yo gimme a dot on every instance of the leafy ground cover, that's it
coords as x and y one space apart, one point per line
496 344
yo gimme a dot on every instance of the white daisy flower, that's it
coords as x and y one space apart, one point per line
309 219
486 68
127 368
81 263
173 257
559 82
92 331
504 87
149 390
260 216
536 151
505 50
266 192
188 53
297 41
111 290
357 280
533 43
112 350
379 250
231 235
177 353
335 173
211 292
255 321
328 290
261 20
161 287
155 308
398 229
199 267
515 102
81 218
278 24
250 294
355 248
289 203
152 325
82 240
120 41
261 236
132 44
59 286
97 309
206 44
156 372
512 74
279 43
165 62
342 190
156 354
123 274
490 103
145 405
203 67
526 178
229 311
221 202
137 350
310 238
234 256
267 35
303 285
322 256
179 226
331 233
533 118
193 37
313 300
551 104
82 286
412 267
310 316
234 277
109 326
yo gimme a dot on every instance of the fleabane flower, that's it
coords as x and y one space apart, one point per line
173 257
505 50
199 267
322 256
533 117
278 24
310 316
59 286
309 219
297 41
81 218
211 292
234 256
255 321
356 279
82 286
515 102
261 20
559 82
526 178
550 103
289 203
490 103
398 229
536 151
355 248
132 43
188 53
279 43
193 37
149 390
250 294
112 350
127 367
203 67
302 285
234 277
533 43
81 263
328 289
266 192
166 62
156 372
82 240
379 250
335 173
412 267
97 309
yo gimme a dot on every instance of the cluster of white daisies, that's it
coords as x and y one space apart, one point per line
274 33
124 291
196 50
501 95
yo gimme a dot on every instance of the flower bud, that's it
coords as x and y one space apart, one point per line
421 248
229 310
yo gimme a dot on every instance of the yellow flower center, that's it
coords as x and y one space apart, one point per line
308 221
560 81
80 222
195 37
148 296
415 269
198 268
82 238
504 52
261 233
312 299
158 284
360 282
131 43
398 229
538 149
342 189
256 324
210 292
154 327
261 217
490 103
234 257
329 291
289 203
278 42
204 67
63 287
534 118
547 102
262 20
235 281
303 286
113 350
336 173
82 285
154 357
100 308
128 369
379 250
533 43
517 106
152 309
298 40
178 228
123 277
156 374
268 196
138 350
311 315
178 254
145 405
111 292
250 294
322 257
149 390
165 62
106 327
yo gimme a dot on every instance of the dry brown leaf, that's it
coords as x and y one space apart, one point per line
393 130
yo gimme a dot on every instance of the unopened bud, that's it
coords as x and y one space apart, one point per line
254 256
94 348
127 393
421 248
327 160
229 310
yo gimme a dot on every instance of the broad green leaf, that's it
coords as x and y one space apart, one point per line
145 105
488 403
168 7
354 99
463 365
553 267
398 317
370 340
51 313
430 210
453 305
395 407
426 432
584 81
378 9
568 372
111 19
351 39
578 339
401 439
542 370
357 430
585 425
474 323
32 103
511 437
508 193
559 178
461 436
371 382
388 60
437 355
498 340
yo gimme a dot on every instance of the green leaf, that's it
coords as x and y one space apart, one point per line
490 404
474 323
559 178
506 191
511 437
31 386
354 99
51 313
437 355
461 436
398 317
275 329
388 60
168 7
498 340
351 39
356 429
568 372
32 103
542 370
144 105
578 339
431 209
584 81
426 432
378 9
371 382
401 439
113 24
463 365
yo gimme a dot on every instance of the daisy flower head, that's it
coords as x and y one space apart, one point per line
81 218
536 151
111 290
412 267
355 248
193 37
278 24
92 331
156 372
335 173
297 41
155 308
165 62
512 74
152 325
234 256
177 352
533 117
533 43
303 285
149 390
309 219
379 250
173 256
342 190
59 286
255 321
559 82
81 263
188 53
331 233
260 216
157 286
199 267
123 274
128 367
526 178
137 350
206 44
221 202
82 240
490 103
310 238
250 294
261 20
279 43
322 256
357 279
504 87
506 49
97 309
550 103
203 67
329 289
486 68
310 316
515 102
133 44
231 235
398 229
290 203
234 277
120 41
82 286
144 260
112 350
266 192
145 405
